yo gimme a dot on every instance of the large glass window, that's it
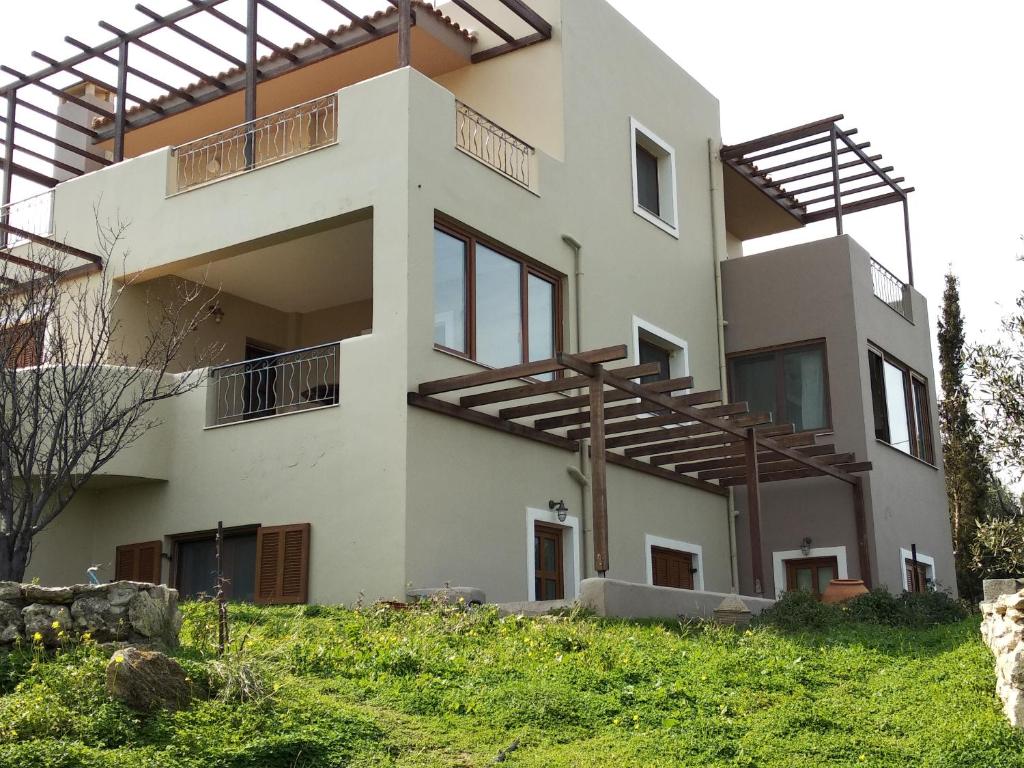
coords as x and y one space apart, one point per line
196 566
791 384
648 190
513 304
900 406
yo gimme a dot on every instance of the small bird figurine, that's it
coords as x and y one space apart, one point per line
93 573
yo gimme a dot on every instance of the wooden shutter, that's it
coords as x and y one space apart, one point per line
139 562
282 563
22 345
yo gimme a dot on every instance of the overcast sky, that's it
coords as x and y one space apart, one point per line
936 87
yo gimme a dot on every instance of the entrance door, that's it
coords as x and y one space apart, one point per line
548 574
811 574
260 393
671 568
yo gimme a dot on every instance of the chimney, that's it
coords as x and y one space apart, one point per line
91 94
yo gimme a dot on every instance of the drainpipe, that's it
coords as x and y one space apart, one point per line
718 253
580 474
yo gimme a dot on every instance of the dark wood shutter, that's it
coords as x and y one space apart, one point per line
282 563
671 568
22 345
139 562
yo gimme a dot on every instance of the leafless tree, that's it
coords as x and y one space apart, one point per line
77 388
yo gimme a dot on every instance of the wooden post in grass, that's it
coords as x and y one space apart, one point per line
222 606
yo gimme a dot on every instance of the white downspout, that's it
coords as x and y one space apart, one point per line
580 475
719 253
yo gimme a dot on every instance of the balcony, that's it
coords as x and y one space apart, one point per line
282 135
492 145
891 291
274 385
31 215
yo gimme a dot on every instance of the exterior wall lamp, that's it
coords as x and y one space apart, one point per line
216 313
805 546
559 508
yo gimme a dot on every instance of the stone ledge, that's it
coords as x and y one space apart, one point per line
1002 628
628 600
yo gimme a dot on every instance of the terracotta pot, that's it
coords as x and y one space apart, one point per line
841 590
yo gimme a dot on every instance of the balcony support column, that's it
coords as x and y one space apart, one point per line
8 177
251 38
404 33
754 512
119 106
860 518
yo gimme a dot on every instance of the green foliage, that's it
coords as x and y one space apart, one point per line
802 612
997 549
436 686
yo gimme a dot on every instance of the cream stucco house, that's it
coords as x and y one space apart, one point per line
411 212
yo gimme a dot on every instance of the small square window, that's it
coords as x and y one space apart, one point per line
654 179
653 345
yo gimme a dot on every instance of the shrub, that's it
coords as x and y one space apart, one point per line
799 611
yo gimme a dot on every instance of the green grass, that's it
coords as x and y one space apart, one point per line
330 687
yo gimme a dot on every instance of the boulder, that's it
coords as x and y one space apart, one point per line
121 592
147 680
53 595
11 623
10 591
49 622
153 614
99 618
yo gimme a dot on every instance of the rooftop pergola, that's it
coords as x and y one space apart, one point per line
115 66
817 171
692 438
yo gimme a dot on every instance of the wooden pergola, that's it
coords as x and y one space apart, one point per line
660 428
816 172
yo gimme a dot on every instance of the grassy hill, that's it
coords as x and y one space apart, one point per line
376 687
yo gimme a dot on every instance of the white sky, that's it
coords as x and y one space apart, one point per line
936 87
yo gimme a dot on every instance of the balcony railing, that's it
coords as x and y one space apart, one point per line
32 214
492 145
289 382
891 290
291 132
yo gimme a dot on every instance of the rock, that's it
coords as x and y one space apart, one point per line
147 680
154 614
54 595
89 590
48 621
121 592
99 618
10 591
11 623
447 595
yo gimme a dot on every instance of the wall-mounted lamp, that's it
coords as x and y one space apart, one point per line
559 508
215 313
805 546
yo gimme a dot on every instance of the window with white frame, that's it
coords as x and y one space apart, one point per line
654 178
919 573
672 563
653 345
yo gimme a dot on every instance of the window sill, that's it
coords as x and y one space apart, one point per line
910 456
656 220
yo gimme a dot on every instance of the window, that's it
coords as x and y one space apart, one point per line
492 305
921 578
21 346
790 383
676 564
266 564
653 345
139 562
654 179
811 574
899 400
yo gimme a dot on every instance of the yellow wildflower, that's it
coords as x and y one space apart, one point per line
118 658
55 625
86 636
38 637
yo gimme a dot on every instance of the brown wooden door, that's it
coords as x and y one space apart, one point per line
920 583
671 568
811 574
548 573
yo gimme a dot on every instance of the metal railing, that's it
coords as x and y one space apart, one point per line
492 145
891 290
270 139
288 382
31 214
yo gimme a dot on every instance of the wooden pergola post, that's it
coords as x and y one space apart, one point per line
860 518
404 33
251 37
754 510
8 178
598 472
119 106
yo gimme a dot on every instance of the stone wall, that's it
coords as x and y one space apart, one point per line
1002 628
122 611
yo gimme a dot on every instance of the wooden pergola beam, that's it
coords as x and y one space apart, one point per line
780 465
567 403
673 418
659 436
731 455
50 243
797 474
619 412
562 384
665 474
781 137
716 439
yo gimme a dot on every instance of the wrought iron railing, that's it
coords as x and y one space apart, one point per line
891 290
274 385
32 214
492 145
275 137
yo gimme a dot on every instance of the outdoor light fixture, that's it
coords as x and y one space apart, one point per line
805 546
214 311
559 508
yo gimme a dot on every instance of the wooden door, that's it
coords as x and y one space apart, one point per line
671 568
548 573
811 574
916 582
